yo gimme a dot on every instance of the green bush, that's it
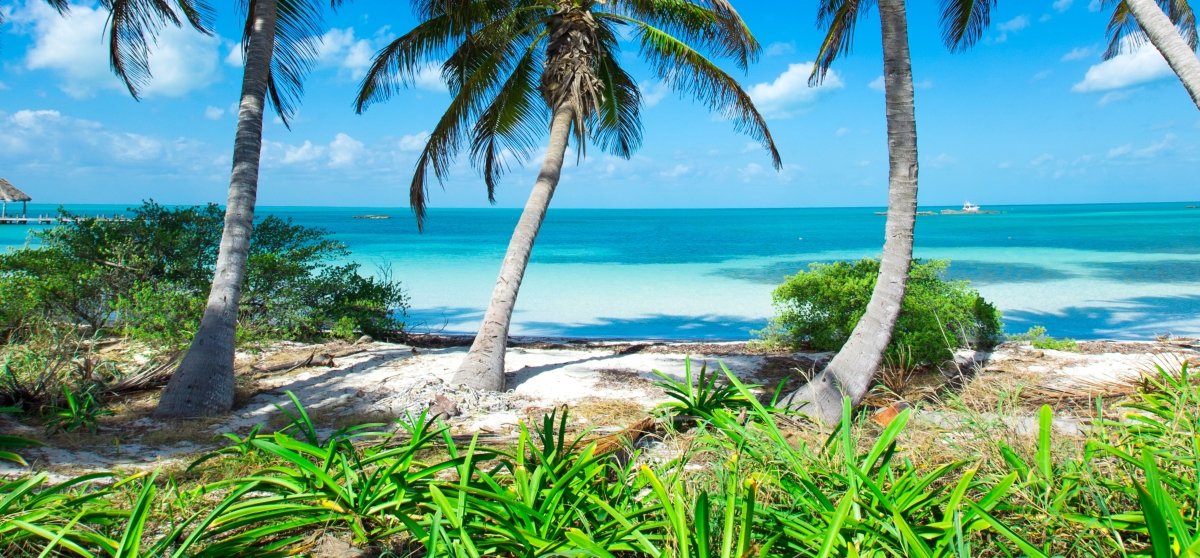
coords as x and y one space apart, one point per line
817 309
149 276
1036 336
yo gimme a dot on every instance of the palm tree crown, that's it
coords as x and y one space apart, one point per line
962 22
1122 25
499 58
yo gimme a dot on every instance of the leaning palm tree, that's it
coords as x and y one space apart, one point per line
853 369
1170 25
279 48
517 67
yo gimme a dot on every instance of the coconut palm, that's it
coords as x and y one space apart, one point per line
279 48
517 67
1170 25
853 368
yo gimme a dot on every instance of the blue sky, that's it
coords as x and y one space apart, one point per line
1030 115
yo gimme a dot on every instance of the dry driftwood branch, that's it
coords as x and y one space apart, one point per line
150 375
315 358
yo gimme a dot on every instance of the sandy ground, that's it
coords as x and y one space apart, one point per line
607 386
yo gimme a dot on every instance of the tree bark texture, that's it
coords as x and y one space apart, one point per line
483 368
203 385
853 368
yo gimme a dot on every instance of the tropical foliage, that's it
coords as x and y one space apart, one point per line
818 308
146 277
742 483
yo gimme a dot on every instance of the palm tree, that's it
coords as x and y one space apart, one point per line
517 67
854 367
279 49
1171 27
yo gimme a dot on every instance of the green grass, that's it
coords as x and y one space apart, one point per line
752 480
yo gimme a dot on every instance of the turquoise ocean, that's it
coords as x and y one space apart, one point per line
1119 271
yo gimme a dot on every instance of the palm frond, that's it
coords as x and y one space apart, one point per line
713 26
512 124
685 70
964 21
1120 26
1181 14
298 26
134 24
1124 32
397 65
448 136
617 127
840 18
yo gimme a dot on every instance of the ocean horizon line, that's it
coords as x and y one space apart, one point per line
128 205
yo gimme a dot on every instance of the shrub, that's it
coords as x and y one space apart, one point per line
818 309
1037 337
148 277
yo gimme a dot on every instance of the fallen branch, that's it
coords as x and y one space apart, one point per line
149 376
315 358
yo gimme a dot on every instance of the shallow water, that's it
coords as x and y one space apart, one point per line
1125 271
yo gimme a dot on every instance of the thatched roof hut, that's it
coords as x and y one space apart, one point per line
10 193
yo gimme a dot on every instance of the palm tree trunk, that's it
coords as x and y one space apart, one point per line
203 384
1166 38
853 368
483 367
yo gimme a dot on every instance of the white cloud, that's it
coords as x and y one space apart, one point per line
942 160
304 153
1077 53
1041 160
1120 150
923 84
876 84
780 49
47 138
213 113
1149 151
344 150
751 171
413 142
235 57
1095 6
3 86
1062 5
676 171
841 132
653 92
430 79
1134 66
1156 148
791 89
1114 97
1015 24
1011 26
73 47
338 48
1041 75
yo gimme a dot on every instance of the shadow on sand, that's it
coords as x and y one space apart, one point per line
1132 318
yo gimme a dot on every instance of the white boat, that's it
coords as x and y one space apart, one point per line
968 208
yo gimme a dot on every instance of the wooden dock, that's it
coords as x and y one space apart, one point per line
48 220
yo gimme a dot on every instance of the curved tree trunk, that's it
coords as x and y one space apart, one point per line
203 384
852 370
1166 38
483 367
